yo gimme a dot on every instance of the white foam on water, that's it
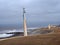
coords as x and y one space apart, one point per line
8 31
5 35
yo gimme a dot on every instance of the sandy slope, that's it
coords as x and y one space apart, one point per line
47 39
41 39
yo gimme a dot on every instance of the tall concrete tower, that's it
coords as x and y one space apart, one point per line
24 23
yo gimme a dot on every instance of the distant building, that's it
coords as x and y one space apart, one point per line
51 26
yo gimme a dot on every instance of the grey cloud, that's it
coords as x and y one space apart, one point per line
40 10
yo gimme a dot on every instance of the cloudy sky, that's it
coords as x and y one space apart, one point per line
36 11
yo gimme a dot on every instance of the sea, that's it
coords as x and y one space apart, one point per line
4 29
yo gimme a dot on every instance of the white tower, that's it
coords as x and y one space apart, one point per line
24 23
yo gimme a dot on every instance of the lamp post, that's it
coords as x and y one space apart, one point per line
24 23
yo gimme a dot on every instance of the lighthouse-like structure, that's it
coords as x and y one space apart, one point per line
24 23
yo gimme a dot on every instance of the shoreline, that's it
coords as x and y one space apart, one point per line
34 31
14 34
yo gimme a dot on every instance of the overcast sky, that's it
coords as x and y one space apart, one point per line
36 11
